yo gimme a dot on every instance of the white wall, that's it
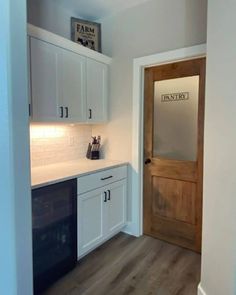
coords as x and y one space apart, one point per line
50 15
15 199
219 218
149 28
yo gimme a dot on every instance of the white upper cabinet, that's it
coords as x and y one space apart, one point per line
69 82
97 88
44 59
29 77
73 84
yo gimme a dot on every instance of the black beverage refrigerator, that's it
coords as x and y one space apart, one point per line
54 221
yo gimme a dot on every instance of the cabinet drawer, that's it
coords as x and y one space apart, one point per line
99 179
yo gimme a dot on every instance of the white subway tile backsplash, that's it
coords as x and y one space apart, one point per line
51 144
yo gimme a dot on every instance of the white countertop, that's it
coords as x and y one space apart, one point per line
50 174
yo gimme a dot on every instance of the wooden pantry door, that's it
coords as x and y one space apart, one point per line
173 152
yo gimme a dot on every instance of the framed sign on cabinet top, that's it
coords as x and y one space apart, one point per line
86 33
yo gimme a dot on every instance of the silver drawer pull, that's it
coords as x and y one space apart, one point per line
105 178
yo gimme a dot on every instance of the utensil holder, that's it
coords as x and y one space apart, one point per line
94 155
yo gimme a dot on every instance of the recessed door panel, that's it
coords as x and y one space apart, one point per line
73 77
90 220
97 77
45 69
116 207
174 199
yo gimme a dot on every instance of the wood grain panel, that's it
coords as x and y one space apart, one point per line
176 70
174 232
148 131
184 170
172 188
201 112
174 199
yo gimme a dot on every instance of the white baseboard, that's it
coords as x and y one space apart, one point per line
200 290
130 229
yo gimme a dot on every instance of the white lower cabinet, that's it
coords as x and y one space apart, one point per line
101 214
115 208
90 220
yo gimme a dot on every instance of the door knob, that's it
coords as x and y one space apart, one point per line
147 161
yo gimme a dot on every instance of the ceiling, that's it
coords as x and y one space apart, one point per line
96 9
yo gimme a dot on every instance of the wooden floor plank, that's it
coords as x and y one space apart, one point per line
133 266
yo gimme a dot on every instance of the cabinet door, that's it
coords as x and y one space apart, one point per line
29 75
97 90
73 85
116 207
44 80
90 220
